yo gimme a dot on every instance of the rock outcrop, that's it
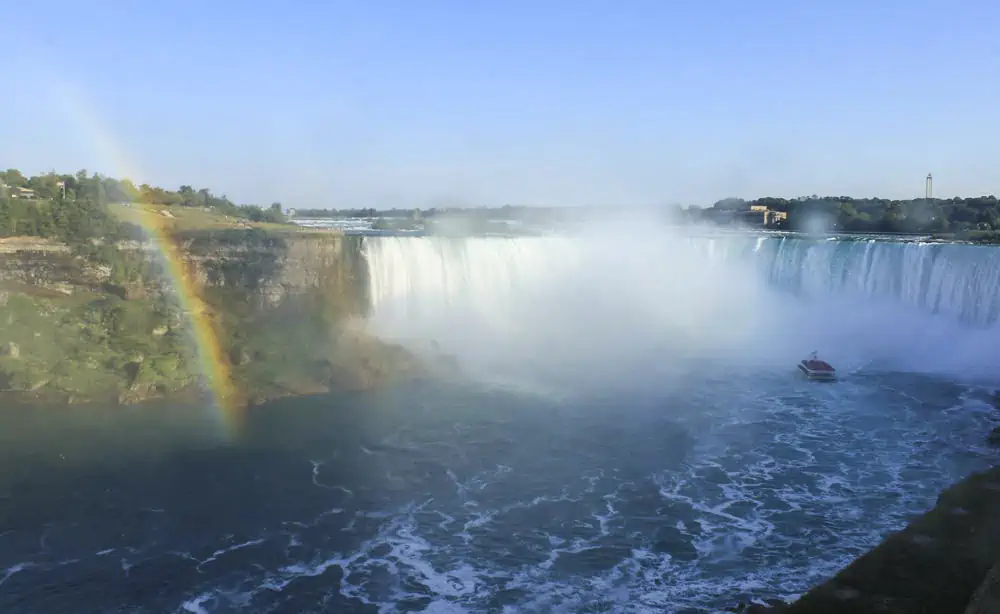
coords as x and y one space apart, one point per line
282 307
269 268
944 562
986 599
994 436
771 606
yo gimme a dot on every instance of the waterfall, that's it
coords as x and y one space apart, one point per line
959 281
752 297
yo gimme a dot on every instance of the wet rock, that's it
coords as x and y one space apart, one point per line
128 292
770 606
10 350
132 370
239 356
922 540
986 599
137 393
994 437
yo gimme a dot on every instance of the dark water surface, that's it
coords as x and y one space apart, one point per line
455 498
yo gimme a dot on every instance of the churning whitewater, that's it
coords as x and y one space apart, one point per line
694 338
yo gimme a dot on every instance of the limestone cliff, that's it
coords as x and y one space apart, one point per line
268 269
103 322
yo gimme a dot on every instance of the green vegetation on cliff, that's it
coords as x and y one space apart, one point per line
89 314
285 309
74 207
88 344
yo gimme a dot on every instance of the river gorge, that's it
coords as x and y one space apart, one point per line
605 421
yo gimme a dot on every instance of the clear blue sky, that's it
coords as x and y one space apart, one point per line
431 102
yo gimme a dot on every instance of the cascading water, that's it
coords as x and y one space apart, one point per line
959 281
547 304
592 302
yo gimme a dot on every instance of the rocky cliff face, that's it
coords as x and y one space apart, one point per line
268 269
284 307
265 268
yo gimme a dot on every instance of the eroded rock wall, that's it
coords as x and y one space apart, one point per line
285 308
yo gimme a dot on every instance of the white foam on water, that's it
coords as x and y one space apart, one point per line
774 498
196 604
786 482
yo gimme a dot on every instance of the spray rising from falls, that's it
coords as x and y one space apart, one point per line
605 302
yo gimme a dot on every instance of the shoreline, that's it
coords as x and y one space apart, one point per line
946 560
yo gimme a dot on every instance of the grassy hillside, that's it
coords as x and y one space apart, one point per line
183 220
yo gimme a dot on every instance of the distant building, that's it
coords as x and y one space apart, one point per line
759 216
22 193
772 218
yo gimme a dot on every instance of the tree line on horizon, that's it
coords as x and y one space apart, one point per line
848 214
973 217
71 206
74 206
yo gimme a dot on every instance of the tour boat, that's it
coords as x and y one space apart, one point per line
817 369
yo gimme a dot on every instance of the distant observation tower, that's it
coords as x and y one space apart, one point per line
929 188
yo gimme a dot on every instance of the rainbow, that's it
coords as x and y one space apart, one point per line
226 404
214 366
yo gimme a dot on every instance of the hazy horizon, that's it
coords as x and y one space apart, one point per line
459 104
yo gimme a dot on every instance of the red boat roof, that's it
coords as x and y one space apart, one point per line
818 365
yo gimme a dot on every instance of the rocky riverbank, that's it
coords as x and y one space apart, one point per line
283 309
946 561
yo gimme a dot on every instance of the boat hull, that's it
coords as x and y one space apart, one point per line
820 375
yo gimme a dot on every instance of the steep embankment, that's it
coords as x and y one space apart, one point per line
281 305
941 563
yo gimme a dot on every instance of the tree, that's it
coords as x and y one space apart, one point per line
14 178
